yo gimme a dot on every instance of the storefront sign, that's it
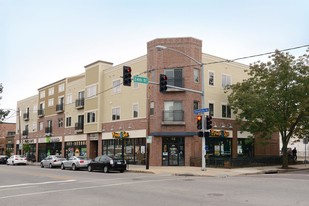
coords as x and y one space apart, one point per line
52 139
120 135
93 136
219 133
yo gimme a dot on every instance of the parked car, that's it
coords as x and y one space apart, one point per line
17 160
107 163
75 162
52 161
3 159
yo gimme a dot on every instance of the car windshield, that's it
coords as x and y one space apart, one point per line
58 156
20 156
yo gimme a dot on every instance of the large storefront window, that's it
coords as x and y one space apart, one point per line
134 149
217 146
47 149
173 151
77 148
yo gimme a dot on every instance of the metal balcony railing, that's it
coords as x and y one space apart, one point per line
79 103
59 108
41 112
79 126
48 130
26 116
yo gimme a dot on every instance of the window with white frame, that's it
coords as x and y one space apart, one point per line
68 122
173 111
226 111
116 86
42 94
151 108
135 110
226 80
51 91
174 77
50 102
211 78
41 125
211 109
91 91
60 122
69 99
61 88
91 117
196 74
116 113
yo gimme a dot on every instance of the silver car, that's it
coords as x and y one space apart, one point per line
52 161
75 162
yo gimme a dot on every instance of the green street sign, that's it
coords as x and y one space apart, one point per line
138 79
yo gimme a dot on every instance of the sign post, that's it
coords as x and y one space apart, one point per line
305 141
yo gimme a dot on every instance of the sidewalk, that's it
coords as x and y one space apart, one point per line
214 172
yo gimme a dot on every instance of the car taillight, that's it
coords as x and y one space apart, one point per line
16 158
111 162
81 161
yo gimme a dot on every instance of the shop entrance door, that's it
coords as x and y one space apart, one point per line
173 151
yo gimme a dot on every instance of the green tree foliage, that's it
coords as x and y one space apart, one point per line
275 98
3 113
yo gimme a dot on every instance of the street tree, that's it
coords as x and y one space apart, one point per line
274 98
3 113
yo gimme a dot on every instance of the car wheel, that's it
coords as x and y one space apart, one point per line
121 171
73 167
13 163
42 165
62 166
50 165
105 169
89 168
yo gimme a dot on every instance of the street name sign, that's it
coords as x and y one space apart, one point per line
138 79
201 110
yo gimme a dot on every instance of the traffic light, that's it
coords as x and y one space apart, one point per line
127 76
199 120
208 122
163 83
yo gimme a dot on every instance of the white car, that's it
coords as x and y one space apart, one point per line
52 161
75 163
17 160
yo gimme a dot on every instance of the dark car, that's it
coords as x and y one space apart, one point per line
107 163
3 159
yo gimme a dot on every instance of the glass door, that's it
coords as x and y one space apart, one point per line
173 151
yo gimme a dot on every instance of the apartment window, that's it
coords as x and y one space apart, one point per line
211 78
61 88
51 91
226 80
50 102
174 77
68 122
41 125
211 109
116 113
135 110
195 105
196 75
60 122
151 108
173 111
42 94
226 111
91 117
81 95
69 99
116 86
92 91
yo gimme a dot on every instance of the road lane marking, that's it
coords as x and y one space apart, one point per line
37 183
84 188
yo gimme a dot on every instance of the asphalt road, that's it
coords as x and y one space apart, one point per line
32 185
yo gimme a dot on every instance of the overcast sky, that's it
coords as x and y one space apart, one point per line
42 41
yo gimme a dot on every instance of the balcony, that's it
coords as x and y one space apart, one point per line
41 113
59 108
79 127
173 117
26 116
25 132
48 131
79 103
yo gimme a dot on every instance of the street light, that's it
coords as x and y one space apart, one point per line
161 47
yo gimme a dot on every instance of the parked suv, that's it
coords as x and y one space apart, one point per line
52 161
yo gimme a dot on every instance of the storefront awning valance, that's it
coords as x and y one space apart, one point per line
173 134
